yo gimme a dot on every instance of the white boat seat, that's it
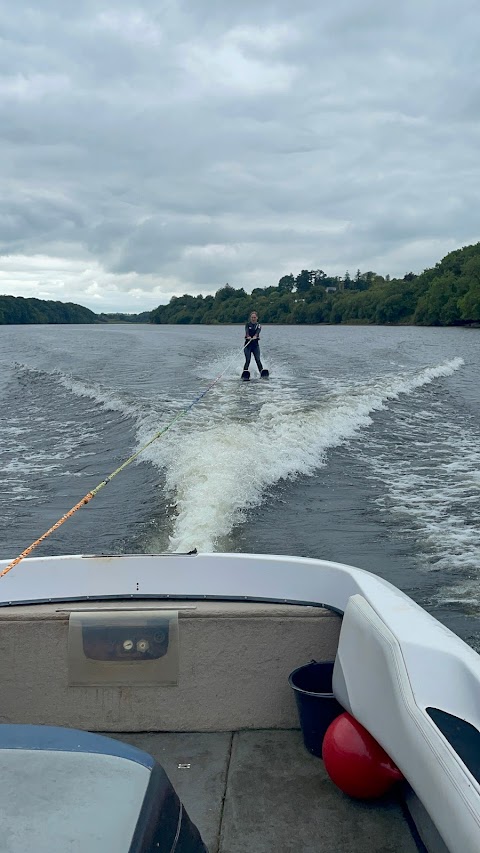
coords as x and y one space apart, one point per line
380 696
64 789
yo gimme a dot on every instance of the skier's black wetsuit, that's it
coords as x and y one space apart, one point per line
253 348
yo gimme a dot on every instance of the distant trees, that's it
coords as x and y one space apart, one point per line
303 281
286 283
448 294
17 310
119 317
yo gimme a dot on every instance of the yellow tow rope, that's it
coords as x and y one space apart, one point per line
88 497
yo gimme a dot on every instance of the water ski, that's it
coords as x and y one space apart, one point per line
245 375
264 374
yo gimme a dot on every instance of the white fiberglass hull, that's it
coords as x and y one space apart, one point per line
395 666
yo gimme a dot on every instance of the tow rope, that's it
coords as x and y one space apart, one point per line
90 495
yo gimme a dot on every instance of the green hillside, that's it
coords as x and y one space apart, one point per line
15 310
448 294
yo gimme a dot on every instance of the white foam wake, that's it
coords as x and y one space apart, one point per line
90 390
216 473
431 486
232 449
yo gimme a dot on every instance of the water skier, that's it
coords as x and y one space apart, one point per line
252 344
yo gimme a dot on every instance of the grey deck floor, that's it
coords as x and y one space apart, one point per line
262 792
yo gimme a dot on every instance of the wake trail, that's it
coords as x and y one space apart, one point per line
218 470
241 440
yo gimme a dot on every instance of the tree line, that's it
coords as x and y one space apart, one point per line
445 295
448 294
119 317
17 310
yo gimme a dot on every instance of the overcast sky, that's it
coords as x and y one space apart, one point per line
156 148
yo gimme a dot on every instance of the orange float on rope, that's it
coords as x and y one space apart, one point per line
354 760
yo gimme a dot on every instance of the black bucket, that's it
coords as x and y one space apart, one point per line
317 706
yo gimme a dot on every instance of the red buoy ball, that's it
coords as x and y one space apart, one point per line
354 760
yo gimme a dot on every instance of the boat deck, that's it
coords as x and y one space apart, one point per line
262 792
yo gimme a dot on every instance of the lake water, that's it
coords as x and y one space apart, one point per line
363 447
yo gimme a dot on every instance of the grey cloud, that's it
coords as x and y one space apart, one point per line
191 143
26 218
